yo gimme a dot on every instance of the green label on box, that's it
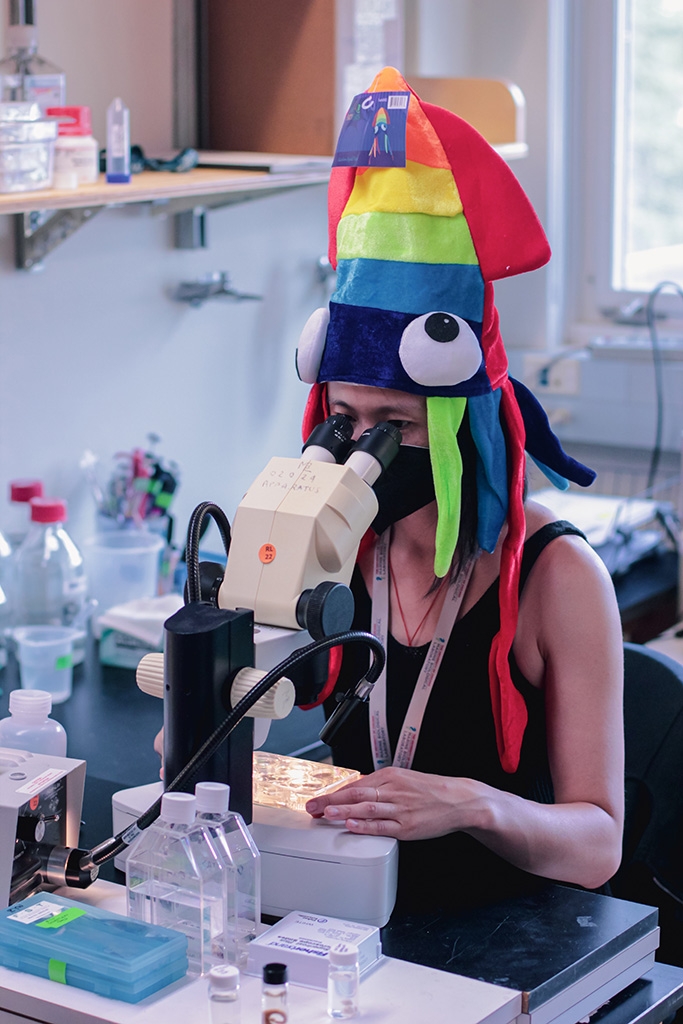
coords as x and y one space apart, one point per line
66 916
66 661
56 971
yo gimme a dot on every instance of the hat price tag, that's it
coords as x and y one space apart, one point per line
374 131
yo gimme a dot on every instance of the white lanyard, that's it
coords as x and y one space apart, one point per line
410 730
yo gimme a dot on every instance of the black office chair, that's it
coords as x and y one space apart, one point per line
652 865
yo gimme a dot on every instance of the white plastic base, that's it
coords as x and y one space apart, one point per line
306 864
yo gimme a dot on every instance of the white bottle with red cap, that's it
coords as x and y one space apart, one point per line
50 581
15 526
77 157
17 518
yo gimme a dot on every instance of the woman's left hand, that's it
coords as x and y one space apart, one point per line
401 803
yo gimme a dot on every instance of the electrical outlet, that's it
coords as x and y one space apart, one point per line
546 377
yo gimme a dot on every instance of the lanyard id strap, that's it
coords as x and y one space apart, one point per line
412 723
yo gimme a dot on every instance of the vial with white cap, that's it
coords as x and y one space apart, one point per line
174 878
343 981
224 994
29 726
242 863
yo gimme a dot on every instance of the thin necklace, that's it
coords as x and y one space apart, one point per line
410 637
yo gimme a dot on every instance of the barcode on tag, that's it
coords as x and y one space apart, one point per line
398 102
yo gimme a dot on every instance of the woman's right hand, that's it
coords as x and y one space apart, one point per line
159 747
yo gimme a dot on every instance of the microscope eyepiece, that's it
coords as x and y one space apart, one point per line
333 436
374 450
381 441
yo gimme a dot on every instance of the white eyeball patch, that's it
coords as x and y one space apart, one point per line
311 345
439 349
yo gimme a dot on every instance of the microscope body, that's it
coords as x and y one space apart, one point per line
298 525
293 546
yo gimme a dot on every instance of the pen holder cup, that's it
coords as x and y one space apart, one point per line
122 565
45 655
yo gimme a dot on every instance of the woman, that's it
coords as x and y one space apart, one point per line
567 650
492 749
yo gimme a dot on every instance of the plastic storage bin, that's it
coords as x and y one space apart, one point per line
122 565
90 948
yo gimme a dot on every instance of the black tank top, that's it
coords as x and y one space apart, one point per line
457 738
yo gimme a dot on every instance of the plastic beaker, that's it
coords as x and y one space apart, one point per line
45 655
122 565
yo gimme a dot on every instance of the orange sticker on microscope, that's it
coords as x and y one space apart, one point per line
267 553
35 800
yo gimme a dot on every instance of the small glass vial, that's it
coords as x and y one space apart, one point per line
118 142
224 994
343 981
274 994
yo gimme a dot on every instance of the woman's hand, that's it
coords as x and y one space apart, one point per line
402 803
159 747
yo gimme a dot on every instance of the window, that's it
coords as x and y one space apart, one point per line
625 183
647 243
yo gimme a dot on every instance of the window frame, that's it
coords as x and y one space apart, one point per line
590 98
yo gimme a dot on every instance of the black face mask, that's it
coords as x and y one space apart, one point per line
403 488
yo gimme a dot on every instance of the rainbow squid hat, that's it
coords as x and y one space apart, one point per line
416 248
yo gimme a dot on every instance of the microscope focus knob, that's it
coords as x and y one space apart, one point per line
277 702
326 609
149 675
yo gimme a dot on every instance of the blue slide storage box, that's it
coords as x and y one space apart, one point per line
89 948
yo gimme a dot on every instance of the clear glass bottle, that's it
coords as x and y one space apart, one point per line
17 519
49 576
242 862
274 1009
29 726
5 596
224 994
174 878
343 981
24 74
118 142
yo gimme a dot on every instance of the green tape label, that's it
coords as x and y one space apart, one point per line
66 661
66 916
56 971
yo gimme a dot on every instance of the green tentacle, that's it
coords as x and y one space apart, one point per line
444 416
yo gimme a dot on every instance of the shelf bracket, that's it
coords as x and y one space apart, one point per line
39 232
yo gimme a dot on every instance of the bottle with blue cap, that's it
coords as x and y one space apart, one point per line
175 878
242 864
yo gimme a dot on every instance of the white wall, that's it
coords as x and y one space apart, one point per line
497 39
93 353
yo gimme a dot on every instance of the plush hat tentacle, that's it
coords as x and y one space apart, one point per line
558 481
510 712
492 474
542 444
444 416
316 410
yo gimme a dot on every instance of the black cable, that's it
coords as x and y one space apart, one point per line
659 383
112 847
194 534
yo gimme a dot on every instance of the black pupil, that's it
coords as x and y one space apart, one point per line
442 327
